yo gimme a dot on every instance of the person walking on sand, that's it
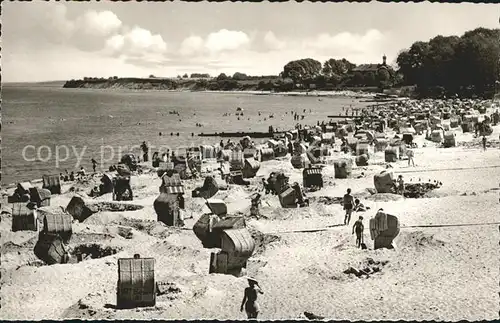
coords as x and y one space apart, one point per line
348 206
410 154
94 164
250 299
358 227
400 185
484 143
265 186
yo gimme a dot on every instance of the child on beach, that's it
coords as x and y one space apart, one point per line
359 207
400 185
348 206
358 227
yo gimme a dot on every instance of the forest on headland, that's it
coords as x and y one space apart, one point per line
444 66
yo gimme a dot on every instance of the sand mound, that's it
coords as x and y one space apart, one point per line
84 309
440 193
262 240
94 250
171 250
367 192
384 197
478 144
83 238
105 218
323 272
367 268
419 190
9 246
52 209
5 210
152 228
279 213
418 240
327 200
116 207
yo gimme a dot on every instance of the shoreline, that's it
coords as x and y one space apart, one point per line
313 93
9 186
329 94
310 248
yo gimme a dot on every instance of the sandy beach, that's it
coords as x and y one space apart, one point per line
451 265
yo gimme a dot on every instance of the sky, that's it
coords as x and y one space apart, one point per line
43 41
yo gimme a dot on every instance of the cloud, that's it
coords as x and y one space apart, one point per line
230 51
272 42
191 45
92 29
95 31
213 44
226 40
345 43
138 46
96 23
137 41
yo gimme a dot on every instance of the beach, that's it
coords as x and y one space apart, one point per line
442 267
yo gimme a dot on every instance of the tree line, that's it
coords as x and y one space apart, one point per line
448 66
443 66
337 73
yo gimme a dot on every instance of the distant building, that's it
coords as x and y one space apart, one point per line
374 68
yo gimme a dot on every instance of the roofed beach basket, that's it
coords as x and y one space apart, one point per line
449 139
312 177
23 217
250 168
266 154
60 224
136 282
384 182
343 168
391 154
384 228
130 160
40 196
299 161
50 248
167 209
361 160
52 183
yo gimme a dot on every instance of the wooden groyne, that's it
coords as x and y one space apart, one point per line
241 134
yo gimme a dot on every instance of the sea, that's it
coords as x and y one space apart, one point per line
48 129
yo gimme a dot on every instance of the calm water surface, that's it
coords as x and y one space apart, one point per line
89 119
